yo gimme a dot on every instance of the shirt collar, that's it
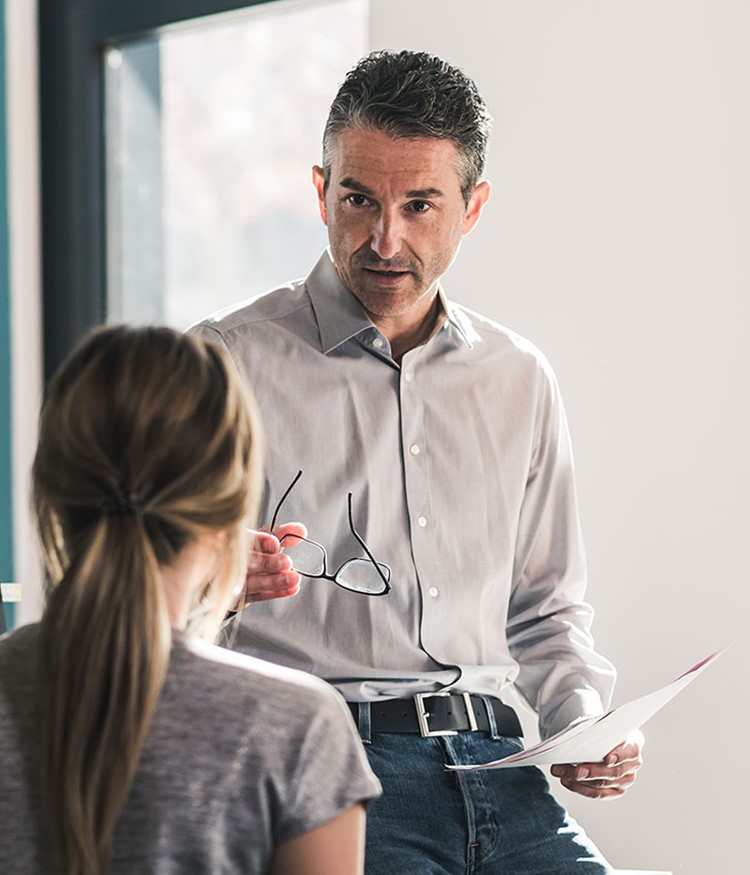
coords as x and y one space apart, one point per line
340 316
457 319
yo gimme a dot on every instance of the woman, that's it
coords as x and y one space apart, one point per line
127 744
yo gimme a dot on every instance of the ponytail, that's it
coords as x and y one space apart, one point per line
105 649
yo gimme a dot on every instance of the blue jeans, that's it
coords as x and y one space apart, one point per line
430 821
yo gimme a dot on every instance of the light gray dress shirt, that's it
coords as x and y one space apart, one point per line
460 465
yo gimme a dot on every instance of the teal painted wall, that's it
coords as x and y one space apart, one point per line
6 482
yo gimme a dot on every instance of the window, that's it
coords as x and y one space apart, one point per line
211 132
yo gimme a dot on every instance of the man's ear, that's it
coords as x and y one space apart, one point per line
477 199
319 181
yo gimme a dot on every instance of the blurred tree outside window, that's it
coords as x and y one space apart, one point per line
212 131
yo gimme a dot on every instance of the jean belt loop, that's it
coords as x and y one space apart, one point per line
364 722
490 717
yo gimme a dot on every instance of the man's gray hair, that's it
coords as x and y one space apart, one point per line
413 94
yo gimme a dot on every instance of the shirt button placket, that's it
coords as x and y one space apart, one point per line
414 447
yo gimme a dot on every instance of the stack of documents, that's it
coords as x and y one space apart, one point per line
590 740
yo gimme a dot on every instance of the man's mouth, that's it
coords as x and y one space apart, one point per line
388 277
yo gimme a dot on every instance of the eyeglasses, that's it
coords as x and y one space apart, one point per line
365 576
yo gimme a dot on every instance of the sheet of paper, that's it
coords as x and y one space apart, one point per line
590 740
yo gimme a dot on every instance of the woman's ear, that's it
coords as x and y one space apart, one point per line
216 541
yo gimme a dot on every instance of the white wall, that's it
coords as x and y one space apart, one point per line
617 239
25 287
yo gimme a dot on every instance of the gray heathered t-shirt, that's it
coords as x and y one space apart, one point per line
241 755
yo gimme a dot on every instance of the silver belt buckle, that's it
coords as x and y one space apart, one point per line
423 715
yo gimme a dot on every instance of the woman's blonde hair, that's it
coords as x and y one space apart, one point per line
148 440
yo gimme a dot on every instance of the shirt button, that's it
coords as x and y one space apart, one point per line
407 378
433 591
421 522
378 343
414 449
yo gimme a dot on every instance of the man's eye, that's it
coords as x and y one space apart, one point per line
357 200
420 206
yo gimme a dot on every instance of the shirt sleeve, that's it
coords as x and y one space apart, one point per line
330 771
549 624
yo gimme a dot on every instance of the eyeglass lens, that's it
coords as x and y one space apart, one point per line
361 575
307 557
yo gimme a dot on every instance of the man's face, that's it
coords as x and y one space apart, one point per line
395 217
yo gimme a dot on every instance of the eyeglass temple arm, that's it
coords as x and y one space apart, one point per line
364 545
283 499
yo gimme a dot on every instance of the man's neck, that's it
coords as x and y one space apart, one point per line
406 334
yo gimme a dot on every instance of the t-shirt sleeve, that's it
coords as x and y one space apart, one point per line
329 771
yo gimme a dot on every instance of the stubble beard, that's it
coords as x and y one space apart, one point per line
382 301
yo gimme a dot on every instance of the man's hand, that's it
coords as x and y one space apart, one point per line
269 571
609 778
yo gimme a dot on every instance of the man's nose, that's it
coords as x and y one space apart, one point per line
386 236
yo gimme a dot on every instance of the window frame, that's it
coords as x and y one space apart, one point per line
72 37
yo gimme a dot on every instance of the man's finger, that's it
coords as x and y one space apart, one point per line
267 595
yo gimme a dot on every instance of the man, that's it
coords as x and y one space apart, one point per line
433 452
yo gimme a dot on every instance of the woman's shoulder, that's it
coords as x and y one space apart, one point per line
240 679
18 647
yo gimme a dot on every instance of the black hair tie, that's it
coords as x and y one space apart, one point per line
121 505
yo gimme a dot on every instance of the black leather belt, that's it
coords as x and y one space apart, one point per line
440 714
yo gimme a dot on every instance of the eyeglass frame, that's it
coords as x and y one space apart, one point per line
326 575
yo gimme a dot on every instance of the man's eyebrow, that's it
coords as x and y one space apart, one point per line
351 182
425 193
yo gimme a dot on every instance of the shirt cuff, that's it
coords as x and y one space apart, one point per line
578 706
